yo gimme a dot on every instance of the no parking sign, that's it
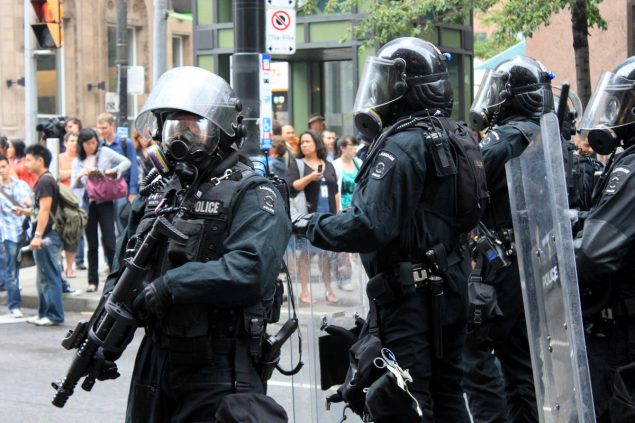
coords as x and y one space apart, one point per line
280 26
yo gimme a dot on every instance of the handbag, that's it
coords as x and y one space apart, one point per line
103 188
298 203
25 258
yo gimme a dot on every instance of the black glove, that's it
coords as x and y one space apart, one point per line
154 299
300 223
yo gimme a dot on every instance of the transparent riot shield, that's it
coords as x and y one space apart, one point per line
315 273
544 247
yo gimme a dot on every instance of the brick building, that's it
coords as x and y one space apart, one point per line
68 78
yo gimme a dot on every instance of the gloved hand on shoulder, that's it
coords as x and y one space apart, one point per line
300 223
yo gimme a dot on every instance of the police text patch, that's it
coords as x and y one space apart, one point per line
385 161
208 208
267 199
615 180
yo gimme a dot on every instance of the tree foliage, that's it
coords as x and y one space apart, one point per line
522 16
388 19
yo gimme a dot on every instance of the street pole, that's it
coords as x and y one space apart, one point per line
249 42
122 62
159 39
30 86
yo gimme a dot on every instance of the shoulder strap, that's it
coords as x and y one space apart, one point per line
300 163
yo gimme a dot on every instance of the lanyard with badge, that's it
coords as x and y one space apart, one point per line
324 189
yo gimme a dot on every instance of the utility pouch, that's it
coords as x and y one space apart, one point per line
439 145
406 278
379 289
483 304
276 305
181 253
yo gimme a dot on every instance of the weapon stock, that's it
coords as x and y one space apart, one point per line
101 340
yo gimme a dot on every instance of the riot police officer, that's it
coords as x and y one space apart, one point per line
604 249
207 301
401 210
508 106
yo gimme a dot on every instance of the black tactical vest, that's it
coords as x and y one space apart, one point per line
205 218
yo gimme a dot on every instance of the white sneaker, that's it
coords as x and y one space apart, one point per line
17 313
45 321
33 319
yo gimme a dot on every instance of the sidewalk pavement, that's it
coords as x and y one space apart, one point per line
84 302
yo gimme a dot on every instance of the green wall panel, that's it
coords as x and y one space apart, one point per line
329 31
206 62
300 93
204 12
451 37
226 38
299 34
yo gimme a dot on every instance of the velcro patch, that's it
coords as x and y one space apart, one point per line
491 138
385 161
267 199
615 180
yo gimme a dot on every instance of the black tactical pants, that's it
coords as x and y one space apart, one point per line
405 327
607 350
162 391
504 394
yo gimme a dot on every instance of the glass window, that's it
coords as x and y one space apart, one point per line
177 52
46 84
112 65
339 94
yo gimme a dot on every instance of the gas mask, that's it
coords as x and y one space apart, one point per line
382 85
603 140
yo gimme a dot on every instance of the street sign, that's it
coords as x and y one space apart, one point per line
136 79
266 112
280 26
122 132
112 102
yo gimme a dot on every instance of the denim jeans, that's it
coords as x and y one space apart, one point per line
79 257
49 279
3 270
14 300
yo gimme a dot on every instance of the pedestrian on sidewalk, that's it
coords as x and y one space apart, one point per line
94 157
13 190
46 242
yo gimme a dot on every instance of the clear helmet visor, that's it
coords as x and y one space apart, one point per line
194 90
191 130
377 85
612 104
489 92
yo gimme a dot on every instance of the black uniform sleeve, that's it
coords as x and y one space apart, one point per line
498 147
386 197
257 238
609 231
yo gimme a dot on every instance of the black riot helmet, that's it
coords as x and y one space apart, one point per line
191 113
516 87
408 75
610 114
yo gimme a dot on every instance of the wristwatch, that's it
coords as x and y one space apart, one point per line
37 235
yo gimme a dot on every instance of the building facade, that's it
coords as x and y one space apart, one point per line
323 74
75 79
553 44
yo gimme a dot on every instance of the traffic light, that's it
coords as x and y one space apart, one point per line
48 29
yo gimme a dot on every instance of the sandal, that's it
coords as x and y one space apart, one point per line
331 298
91 288
306 300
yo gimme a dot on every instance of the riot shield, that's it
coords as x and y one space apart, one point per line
544 246
315 271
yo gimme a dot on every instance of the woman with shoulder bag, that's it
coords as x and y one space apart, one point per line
315 176
92 166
